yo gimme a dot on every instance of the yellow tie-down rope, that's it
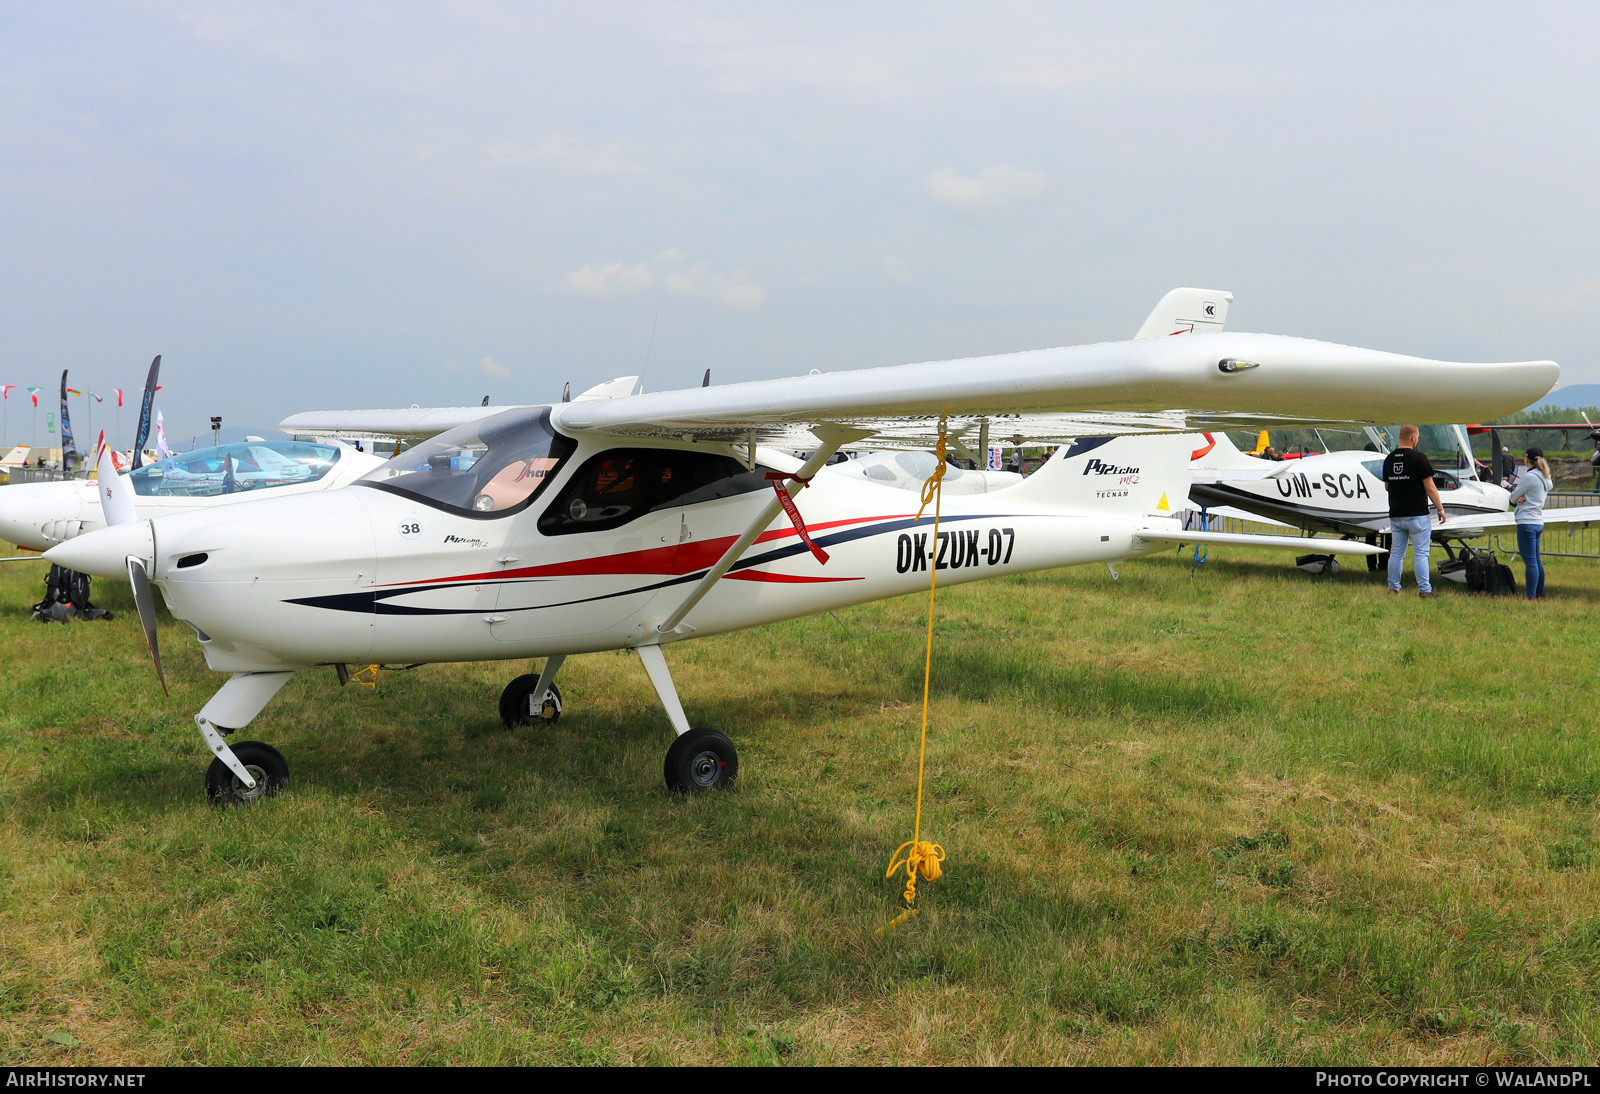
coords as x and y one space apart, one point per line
917 855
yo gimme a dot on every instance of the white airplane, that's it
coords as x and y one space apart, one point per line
39 515
1343 493
638 521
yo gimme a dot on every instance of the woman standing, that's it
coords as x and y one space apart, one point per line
1529 494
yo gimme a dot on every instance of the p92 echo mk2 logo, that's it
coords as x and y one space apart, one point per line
1126 477
961 548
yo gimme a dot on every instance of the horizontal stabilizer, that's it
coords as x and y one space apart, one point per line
1294 543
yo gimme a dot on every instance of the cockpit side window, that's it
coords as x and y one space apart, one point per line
486 469
234 469
623 484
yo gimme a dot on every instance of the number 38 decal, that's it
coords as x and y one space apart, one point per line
410 529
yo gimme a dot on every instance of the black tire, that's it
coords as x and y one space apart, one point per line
265 764
516 703
701 759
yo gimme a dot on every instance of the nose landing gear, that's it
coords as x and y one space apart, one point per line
519 708
533 698
266 766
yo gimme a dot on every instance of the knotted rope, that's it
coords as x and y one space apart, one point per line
917 855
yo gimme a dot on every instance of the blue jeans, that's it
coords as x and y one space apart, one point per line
1528 536
1418 531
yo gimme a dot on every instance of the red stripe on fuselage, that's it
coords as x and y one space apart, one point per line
670 561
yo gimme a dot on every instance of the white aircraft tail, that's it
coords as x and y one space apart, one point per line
116 492
17 456
1184 310
1146 474
1217 453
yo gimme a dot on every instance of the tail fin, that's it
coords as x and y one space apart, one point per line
1146 474
1263 442
1216 452
1185 310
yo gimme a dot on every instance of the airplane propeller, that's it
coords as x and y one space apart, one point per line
145 599
116 502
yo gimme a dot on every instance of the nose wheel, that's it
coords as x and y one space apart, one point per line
519 706
266 766
701 759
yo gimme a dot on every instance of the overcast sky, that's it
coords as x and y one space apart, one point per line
318 206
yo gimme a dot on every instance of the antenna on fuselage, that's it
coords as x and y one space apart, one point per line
638 388
566 392
706 381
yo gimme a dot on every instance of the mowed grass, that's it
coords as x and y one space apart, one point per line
1244 816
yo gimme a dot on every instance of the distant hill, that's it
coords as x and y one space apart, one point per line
1572 395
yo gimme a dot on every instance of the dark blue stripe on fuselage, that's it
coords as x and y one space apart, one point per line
374 602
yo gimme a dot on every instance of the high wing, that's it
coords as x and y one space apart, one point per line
1194 383
1189 384
413 425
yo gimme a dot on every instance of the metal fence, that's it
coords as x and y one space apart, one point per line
43 474
1559 541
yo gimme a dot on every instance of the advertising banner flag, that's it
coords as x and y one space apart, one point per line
69 450
162 451
145 407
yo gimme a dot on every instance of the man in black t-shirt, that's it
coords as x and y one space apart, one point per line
1408 476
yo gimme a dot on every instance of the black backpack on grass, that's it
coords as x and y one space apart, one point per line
1487 574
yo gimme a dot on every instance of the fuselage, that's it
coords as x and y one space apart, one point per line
1341 492
368 574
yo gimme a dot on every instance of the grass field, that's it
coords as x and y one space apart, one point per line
1246 816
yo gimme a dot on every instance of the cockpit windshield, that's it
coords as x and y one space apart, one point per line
1445 445
234 468
487 468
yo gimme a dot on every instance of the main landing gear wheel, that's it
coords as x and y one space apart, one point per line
266 766
701 759
518 708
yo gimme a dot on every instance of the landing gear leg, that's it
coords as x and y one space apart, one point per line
1372 560
250 769
699 759
533 699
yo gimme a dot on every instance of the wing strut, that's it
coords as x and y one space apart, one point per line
833 438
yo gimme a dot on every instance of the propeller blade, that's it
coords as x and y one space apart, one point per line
145 598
